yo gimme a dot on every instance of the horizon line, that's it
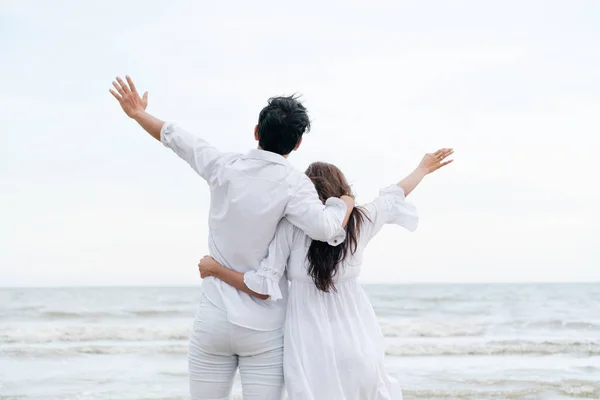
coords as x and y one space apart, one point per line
150 286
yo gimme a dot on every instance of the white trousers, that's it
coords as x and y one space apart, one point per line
218 348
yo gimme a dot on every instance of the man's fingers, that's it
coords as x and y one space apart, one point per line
115 95
123 84
119 88
131 84
145 97
445 163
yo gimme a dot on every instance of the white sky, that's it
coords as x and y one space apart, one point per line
87 198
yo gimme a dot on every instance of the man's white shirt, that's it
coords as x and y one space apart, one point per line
250 194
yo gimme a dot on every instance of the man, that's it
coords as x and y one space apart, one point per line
250 193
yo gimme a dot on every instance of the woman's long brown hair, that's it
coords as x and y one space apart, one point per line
324 259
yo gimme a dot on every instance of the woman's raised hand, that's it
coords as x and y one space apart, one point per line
434 161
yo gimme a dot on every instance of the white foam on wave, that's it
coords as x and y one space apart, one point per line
430 329
499 347
51 351
534 390
557 324
489 348
92 333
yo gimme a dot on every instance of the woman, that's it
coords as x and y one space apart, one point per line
333 346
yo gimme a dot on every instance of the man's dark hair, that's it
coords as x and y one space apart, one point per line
281 124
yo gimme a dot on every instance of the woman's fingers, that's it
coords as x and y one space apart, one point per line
441 154
205 260
447 153
440 165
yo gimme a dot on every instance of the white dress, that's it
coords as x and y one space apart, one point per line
333 346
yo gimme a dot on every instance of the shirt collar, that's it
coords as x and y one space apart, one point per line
267 156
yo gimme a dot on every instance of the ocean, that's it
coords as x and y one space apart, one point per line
538 341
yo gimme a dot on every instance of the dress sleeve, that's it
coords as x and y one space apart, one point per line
390 207
266 279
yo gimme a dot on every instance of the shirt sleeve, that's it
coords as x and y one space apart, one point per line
194 150
265 280
390 207
319 221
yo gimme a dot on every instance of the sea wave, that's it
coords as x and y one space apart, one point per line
120 332
410 327
501 347
492 348
113 314
180 348
502 390
424 329
35 313
557 324
75 334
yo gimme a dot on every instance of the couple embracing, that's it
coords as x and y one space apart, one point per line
280 292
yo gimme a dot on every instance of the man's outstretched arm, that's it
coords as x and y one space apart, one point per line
323 222
200 155
135 105
150 123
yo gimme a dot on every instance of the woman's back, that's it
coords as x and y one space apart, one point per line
333 345
389 207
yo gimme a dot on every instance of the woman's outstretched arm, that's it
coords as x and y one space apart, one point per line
208 266
263 282
431 162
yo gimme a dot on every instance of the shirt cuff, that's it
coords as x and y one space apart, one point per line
341 209
166 132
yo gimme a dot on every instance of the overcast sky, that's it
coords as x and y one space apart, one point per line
88 198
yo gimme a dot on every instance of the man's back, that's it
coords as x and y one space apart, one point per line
249 195
248 199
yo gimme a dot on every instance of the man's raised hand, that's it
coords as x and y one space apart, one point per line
128 97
